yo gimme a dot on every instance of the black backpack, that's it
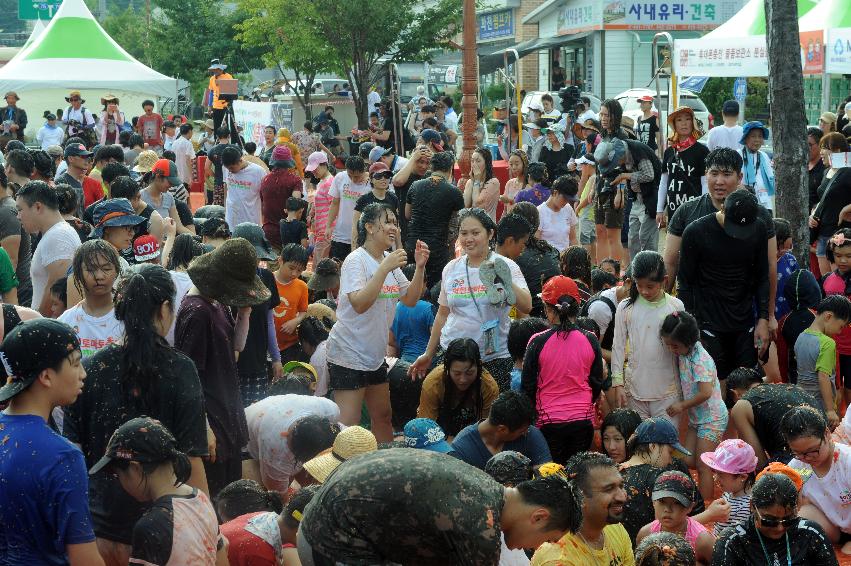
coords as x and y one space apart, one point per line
607 338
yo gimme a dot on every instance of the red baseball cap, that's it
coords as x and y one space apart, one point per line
146 248
645 98
378 167
557 287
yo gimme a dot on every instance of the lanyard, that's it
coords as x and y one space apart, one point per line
765 552
470 283
755 168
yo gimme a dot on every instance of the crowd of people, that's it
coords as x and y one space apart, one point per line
358 359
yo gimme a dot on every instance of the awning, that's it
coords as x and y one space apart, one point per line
489 62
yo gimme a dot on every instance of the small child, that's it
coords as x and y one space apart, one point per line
519 334
673 500
733 464
293 296
815 351
786 264
707 413
411 328
293 229
59 297
585 209
611 265
838 282
803 295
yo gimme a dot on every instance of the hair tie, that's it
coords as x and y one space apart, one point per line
676 314
297 515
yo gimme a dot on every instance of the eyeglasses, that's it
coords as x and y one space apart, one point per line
809 453
75 99
785 523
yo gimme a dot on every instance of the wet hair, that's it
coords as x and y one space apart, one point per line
222 132
464 350
646 265
537 172
250 148
297 504
141 291
295 204
111 171
148 103
834 142
186 128
295 253
742 378
135 140
512 409
774 489
566 185
355 164
801 421
520 332
664 549
39 191
178 461
588 324
243 496
681 327
231 155
43 164
724 159
815 133
567 310
60 290
615 114
124 138
487 156
559 496
21 161
311 435
66 198
512 226
214 228
291 384
528 211
86 256
110 152
581 466
372 214
601 279
312 331
625 421
782 229
183 251
479 214
839 305
575 262
442 161
524 159
831 246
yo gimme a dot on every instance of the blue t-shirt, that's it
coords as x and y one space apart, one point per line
44 500
412 328
785 266
469 447
516 377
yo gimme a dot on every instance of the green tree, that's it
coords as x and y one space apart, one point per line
277 27
129 30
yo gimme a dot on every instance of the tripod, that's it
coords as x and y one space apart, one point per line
229 122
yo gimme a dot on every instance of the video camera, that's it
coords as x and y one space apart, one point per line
569 99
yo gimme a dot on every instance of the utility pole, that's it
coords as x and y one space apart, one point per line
789 123
469 87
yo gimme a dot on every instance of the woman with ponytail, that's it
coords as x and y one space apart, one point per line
178 253
180 524
142 375
563 373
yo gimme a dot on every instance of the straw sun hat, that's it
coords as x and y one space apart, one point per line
351 442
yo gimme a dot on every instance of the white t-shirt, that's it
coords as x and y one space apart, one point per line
319 361
831 493
94 332
348 193
243 200
183 151
372 99
269 421
465 320
722 136
555 226
59 242
600 312
182 283
359 341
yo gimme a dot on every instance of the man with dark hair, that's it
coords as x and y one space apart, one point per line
79 160
15 240
601 539
420 507
348 186
242 188
149 126
38 211
19 168
508 427
213 167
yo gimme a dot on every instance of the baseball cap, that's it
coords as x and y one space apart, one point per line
142 440
659 430
426 434
676 485
55 151
289 366
76 150
376 153
31 347
509 467
166 168
733 456
557 287
432 137
536 106
316 159
740 213
378 167
781 468
645 98
146 248
730 107
609 154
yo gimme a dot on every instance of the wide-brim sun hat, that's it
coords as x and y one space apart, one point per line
228 274
751 126
350 442
695 125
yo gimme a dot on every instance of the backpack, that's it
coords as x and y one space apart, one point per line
607 338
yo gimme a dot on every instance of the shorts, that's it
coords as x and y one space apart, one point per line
730 350
340 250
346 379
587 232
821 246
813 388
605 213
713 432
647 409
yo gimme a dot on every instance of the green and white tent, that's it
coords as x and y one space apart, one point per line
750 20
75 53
826 15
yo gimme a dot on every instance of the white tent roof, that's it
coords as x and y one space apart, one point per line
38 29
74 52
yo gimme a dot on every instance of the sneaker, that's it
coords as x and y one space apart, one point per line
496 276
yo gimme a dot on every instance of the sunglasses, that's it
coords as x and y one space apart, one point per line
383 175
785 523
75 99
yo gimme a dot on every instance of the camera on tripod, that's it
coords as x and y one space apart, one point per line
569 99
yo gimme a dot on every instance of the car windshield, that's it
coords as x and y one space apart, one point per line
630 103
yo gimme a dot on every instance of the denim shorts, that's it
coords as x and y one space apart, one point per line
821 246
347 379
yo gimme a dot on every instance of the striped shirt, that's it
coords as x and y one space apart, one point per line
321 205
740 511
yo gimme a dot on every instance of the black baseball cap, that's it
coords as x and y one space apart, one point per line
509 467
676 485
76 150
740 213
142 440
730 108
30 348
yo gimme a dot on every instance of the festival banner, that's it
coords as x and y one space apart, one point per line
838 45
812 60
253 117
726 57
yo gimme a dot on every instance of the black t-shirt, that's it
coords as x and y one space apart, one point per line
105 404
387 126
252 359
698 208
390 199
647 130
837 195
215 155
769 403
684 169
10 225
371 512
721 276
538 263
741 545
814 179
292 232
433 202
184 213
402 195
556 161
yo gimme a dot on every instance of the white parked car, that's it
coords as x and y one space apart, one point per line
632 108
535 96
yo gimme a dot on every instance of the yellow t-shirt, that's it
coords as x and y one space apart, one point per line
571 550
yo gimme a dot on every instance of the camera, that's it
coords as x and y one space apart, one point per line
569 99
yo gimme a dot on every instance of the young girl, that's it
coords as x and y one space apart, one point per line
654 385
673 500
178 254
838 282
518 163
482 190
664 549
537 193
180 525
733 464
707 414
616 429
313 336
